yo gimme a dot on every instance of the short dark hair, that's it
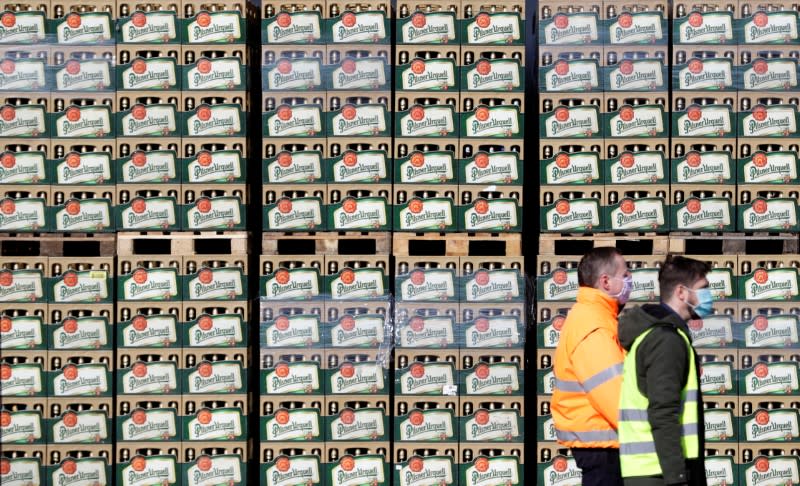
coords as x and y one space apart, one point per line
678 270
595 263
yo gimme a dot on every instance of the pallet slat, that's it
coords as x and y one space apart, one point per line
58 245
649 244
182 243
343 243
457 244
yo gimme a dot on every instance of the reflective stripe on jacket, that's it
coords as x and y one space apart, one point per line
588 373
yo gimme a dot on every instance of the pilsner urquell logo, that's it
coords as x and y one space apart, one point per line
420 166
74 215
763 214
563 168
761 122
564 30
74 75
764 427
629 123
142 331
695 168
696 75
141 75
10 169
8 286
363 75
352 120
10 121
355 428
765 379
10 28
284 283
204 29
206 283
226 74
562 75
761 283
140 283
140 214
762 334
142 165
564 215
762 27
420 286
74 28
70 429
696 122
695 214
562 121
10 76
626 29
74 168
421 28
72 381
94 288
417 427
285 121
288 214
285 27
418 214
762 75
762 168
765 472
141 426
207 214
627 76
698 27
630 167
420 75
73 121
287 167
285 75
629 214
140 26
350 27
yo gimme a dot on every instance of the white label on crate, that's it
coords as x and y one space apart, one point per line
645 285
774 331
493 76
435 470
21 286
777 27
488 214
498 470
150 331
222 166
84 215
21 380
150 74
423 332
720 470
496 168
300 74
769 471
426 379
81 333
303 166
149 470
773 74
86 427
502 28
560 285
360 166
22 28
21 472
149 213
297 27
358 470
222 74
91 168
83 380
157 166
699 167
358 425
572 168
359 27
494 425
637 214
638 75
719 424
424 167
427 214
641 121
293 471
217 377
776 284
774 378
22 168
84 122
359 120
771 167
217 330
642 28
495 379
428 28
571 29
577 122
218 212
295 121
153 424
302 424
428 425
294 331
574 76
360 213
714 331
770 121
22 74
492 285
428 285
772 425
214 120
492 332
770 214
295 214
492 122
80 472
22 427
88 286
358 331
552 332
217 27
217 424
710 74
84 76
432 74
427 121
156 27
294 284
85 28
548 430
150 378
20 332
369 73
215 284
23 121
640 167
363 377
711 213
716 378
152 120
706 28
293 378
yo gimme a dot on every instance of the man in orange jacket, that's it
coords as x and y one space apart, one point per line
588 368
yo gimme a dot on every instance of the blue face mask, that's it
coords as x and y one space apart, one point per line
705 303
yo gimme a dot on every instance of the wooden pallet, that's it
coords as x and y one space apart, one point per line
327 243
457 244
183 243
733 243
58 244
634 244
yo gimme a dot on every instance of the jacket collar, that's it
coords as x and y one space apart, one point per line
592 296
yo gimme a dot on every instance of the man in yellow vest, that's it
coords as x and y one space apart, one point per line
588 368
661 427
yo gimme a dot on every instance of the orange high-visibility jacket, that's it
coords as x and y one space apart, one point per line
588 373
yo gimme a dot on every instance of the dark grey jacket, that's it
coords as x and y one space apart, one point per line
662 368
